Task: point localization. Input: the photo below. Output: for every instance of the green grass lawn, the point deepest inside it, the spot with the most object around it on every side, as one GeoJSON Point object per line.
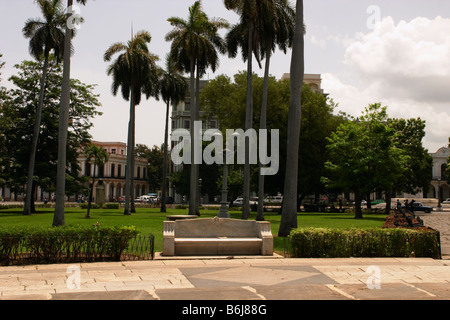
{"type": "Point", "coordinates": [151, 220]}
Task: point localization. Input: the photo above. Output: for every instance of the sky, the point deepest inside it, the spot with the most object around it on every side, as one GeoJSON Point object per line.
{"type": "Point", "coordinates": [393, 52]}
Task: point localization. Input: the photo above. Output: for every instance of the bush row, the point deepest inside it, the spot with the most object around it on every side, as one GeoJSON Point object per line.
{"type": "Point", "coordinates": [333, 243]}
{"type": "Point", "coordinates": [63, 244]}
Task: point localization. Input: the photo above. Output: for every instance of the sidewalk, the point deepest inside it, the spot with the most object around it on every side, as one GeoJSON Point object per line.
{"type": "Point", "coordinates": [235, 279]}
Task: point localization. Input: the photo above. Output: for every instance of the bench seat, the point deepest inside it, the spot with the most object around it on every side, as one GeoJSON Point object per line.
{"type": "Point", "coordinates": [217, 236]}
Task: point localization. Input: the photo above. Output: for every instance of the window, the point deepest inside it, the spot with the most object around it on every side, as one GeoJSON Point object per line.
{"type": "Point", "coordinates": [212, 124]}
{"type": "Point", "coordinates": [119, 170]}
{"type": "Point", "coordinates": [113, 151]}
{"type": "Point", "coordinates": [113, 170]}
{"type": "Point", "coordinates": [87, 169]}
{"type": "Point", "coordinates": [187, 124]}
{"type": "Point", "coordinates": [139, 172]}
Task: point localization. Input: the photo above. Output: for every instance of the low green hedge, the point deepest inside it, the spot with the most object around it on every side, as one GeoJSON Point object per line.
{"type": "Point", "coordinates": [63, 244]}
{"type": "Point", "coordinates": [374, 242]}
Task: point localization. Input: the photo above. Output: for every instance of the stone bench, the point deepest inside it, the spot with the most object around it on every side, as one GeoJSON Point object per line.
{"type": "Point", "coordinates": [217, 236]}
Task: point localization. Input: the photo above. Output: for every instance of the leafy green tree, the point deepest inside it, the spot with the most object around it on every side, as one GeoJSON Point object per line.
{"type": "Point", "coordinates": [419, 163]}
{"type": "Point", "coordinates": [134, 72]}
{"type": "Point", "coordinates": [17, 123]}
{"type": "Point", "coordinates": [100, 157]}
{"type": "Point", "coordinates": [45, 37]}
{"type": "Point", "coordinates": [363, 157]}
{"type": "Point", "coordinates": [155, 158]}
{"type": "Point", "coordinates": [64, 116]}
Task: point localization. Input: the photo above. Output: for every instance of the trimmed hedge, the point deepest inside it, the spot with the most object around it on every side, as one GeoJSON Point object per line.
{"type": "Point", "coordinates": [373, 242]}
{"type": "Point", "coordinates": [63, 244]}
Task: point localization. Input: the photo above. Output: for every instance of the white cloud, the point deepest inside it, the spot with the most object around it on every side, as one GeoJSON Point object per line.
{"type": "Point", "coordinates": [405, 66]}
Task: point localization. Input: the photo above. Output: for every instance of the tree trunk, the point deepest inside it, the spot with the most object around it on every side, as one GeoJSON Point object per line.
{"type": "Point", "coordinates": [133, 159]}
{"type": "Point", "coordinates": [388, 195]}
{"type": "Point", "coordinates": [263, 125]}
{"type": "Point", "coordinates": [193, 176]}
{"type": "Point", "coordinates": [91, 192]}
{"type": "Point", "coordinates": [28, 210]}
{"type": "Point", "coordinates": [248, 125]}
{"type": "Point", "coordinates": [59, 217]}
{"type": "Point", "coordinates": [358, 210]}
{"type": "Point", "coordinates": [289, 210]}
{"type": "Point", "coordinates": [164, 176]}
{"type": "Point", "coordinates": [130, 151]}
{"type": "Point", "coordinates": [197, 166]}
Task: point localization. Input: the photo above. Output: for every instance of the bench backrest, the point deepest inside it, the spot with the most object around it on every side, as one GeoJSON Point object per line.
{"type": "Point", "coordinates": [216, 227]}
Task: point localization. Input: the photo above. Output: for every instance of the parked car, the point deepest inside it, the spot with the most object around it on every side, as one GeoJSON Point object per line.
{"type": "Point", "coordinates": [447, 201]}
{"type": "Point", "coordinates": [238, 202]}
{"type": "Point", "coordinates": [418, 206]}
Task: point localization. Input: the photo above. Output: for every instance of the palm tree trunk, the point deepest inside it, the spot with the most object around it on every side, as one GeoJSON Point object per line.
{"type": "Point", "coordinates": [197, 166]}
{"type": "Point", "coordinates": [248, 125]}
{"type": "Point", "coordinates": [36, 131]}
{"type": "Point", "coordinates": [289, 210]}
{"type": "Point", "coordinates": [91, 192]}
{"type": "Point", "coordinates": [193, 177]}
{"type": "Point", "coordinates": [133, 160]}
{"type": "Point", "coordinates": [164, 176]}
{"type": "Point", "coordinates": [263, 125]}
{"type": "Point", "coordinates": [59, 219]}
{"type": "Point", "coordinates": [130, 151]}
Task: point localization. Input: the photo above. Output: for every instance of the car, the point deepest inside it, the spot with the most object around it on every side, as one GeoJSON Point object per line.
{"type": "Point", "coordinates": [238, 202]}
{"type": "Point", "coordinates": [446, 201]}
{"type": "Point", "coordinates": [418, 206]}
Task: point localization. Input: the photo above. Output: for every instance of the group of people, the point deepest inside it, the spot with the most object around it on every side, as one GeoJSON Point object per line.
{"type": "Point", "coordinates": [409, 206]}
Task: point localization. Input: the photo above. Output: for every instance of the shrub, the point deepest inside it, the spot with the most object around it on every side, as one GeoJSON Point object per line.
{"type": "Point", "coordinates": [64, 244]}
{"type": "Point", "coordinates": [111, 206]}
{"type": "Point", "coordinates": [93, 206]}
{"type": "Point", "coordinates": [333, 243]}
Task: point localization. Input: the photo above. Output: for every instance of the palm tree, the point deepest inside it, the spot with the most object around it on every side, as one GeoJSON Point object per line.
{"type": "Point", "coordinates": [194, 48]}
{"type": "Point", "coordinates": [59, 219]}
{"type": "Point", "coordinates": [45, 36]}
{"type": "Point", "coordinates": [134, 72]}
{"type": "Point", "coordinates": [173, 88]}
{"type": "Point", "coordinates": [277, 30]}
{"type": "Point", "coordinates": [289, 210]}
{"type": "Point", "coordinates": [100, 158]}
{"type": "Point", "coordinates": [245, 35]}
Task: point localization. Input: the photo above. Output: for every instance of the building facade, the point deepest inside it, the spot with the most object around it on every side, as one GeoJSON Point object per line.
{"type": "Point", "coordinates": [439, 187]}
{"type": "Point", "coordinates": [112, 174]}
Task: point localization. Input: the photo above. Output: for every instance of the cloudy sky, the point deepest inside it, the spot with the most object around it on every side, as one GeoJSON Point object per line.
{"type": "Point", "coordinates": [393, 52]}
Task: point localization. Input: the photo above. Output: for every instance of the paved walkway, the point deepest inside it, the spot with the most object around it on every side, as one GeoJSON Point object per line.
{"type": "Point", "coordinates": [439, 221]}
{"type": "Point", "coordinates": [232, 279]}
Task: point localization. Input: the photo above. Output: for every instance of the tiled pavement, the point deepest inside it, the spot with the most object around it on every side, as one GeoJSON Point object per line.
{"type": "Point", "coordinates": [232, 279]}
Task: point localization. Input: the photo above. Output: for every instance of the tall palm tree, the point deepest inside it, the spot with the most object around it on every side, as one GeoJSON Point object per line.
{"type": "Point", "coordinates": [173, 88]}
{"type": "Point", "coordinates": [134, 72]}
{"type": "Point", "coordinates": [45, 36]}
{"type": "Point", "coordinates": [277, 30]}
{"type": "Point", "coordinates": [195, 42]}
{"type": "Point", "coordinates": [63, 126]}
{"type": "Point", "coordinates": [245, 35]}
{"type": "Point", "coordinates": [289, 210]}
{"type": "Point", "coordinates": [100, 158]}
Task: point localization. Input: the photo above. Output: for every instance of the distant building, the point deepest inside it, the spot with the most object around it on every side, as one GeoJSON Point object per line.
{"type": "Point", "coordinates": [113, 172]}
{"type": "Point", "coordinates": [313, 80]}
{"type": "Point", "coordinates": [439, 176]}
